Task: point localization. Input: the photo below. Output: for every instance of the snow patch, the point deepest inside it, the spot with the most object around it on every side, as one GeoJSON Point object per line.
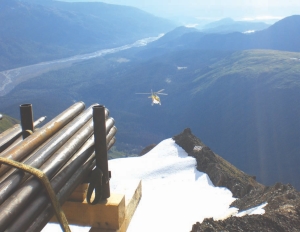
{"type": "Point", "coordinates": [168, 80]}
{"type": "Point", "coordinates": [255, 210]}
{"type": "Point", "coordinates": [175, 195]}
{"type": "Point", "coordinates": [122, 60]}
{"type": "Point", "coordinates": [249, 32]}
{"type": "Point", "coordinates": [197, 148]}
{"type": "Point", "coordinates": [180, 68]}
{"type": "Point", "coordinates": [191, 25]}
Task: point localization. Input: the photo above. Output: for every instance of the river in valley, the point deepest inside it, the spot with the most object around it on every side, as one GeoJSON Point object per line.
{"type": "Point", "coordinates": [11, 78]}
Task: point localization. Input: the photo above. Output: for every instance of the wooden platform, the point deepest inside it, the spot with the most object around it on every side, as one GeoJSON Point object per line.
{"type": "Point", "coordinates": [111, 215]}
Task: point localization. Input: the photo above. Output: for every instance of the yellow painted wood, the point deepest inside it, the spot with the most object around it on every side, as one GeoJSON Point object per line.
{"type": "Point", "coordinates": [131, 205]}
{"type": "Point", "coordinates": [108, 214]}
{"type": "Point", "coordinates": [112, 215]}
{"type": "Point", "coordinates": [79, 193]}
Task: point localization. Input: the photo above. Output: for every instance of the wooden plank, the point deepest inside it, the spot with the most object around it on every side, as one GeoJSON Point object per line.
{"type": "Point", "coordinates": [112, 215]}
{"type": "Point", "coordinates": [108, 214]}
{"type": "Point", "coordinates": [79, 193]}
{"type": "Point", "coordinates": [131, 205]}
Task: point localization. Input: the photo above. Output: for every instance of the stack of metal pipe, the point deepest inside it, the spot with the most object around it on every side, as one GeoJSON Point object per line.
{"type": "Point", "coordinates": [65, 149]}
{"type": "Point", "coordinates": [13, 135]}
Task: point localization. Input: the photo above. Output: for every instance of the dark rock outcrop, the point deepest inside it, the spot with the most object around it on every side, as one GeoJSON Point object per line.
{"type": "Point", "coordinates": [282, 212]}
{"type": "Point", "coordinates": [147, 149]}
{"type": "Point", "coordinates": [221, 172]}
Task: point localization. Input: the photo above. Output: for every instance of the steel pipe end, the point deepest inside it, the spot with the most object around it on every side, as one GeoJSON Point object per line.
{"type": "Point", "coordinates": [98, 106]}
{"type": "Point", "coordinates": [26, 105]}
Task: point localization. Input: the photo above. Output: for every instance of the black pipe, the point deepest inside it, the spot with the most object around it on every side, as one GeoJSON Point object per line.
{"type": "Point", "coordinates": [23, 149]}
{"type": "Point", "coordinates": [26, 115]}
{"type": "Point", "coordinates": [101, 148]}
{"type": "Point", "coordinates": [18, 201]}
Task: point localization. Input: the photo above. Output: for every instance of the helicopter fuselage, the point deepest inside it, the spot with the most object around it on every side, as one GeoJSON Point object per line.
{"type": "Point", "coordinates": [154, 96]}
{"type": "Point", "coordinates": [155, 99]}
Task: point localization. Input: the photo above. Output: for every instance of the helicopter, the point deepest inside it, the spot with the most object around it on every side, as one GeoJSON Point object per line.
{"type": "Point", "coordinates": [155, 97]}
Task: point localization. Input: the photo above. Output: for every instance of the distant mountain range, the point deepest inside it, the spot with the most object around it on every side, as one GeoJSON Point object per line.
{"type": "Point", "coordinates": [228, 25]}
{"type": "Point", "coordinates": [283, 35]}
{"type": "Point", "coordinates": [33, 31]}
{"type": "Point", "coordinates": [239, 92]}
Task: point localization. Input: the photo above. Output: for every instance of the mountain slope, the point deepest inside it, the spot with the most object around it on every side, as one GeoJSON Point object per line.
{"type": "Point", "coordinates": [280, 202]}
{"type": "Point", "coordinates": [220, 172]}
{"type": "Point", "coordinates": [7, 122]}
{"type": "Point", "coordinates": [283, 35]}
{"type": "Point", "coordinates": [244, 104]}
{"type": "Point", "coordinates": [32, 32]}
{"type": "Point", "coordinates": [228, 25]}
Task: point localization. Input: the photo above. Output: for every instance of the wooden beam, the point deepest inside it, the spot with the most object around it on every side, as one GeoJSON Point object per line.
{"type": "Point", "coordinates": [111, 215]}
{"type": "Point", "coordinates": [108, 214]}
{"type": "Point", "coordinates": [131, 205]}
{"type": "Point", "coordinates": [79, 193]}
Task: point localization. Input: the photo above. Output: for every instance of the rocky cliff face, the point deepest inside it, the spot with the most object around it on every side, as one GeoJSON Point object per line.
{"type": "Point", "coordinates": [221, 172]}
{"type": "Point", "coordinates": [282, 212]}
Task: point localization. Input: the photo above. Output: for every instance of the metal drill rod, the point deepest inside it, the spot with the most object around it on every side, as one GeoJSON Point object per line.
{"type": "Point", "coordinates": [10, 133]}
{"type": "Point", "coordinates": [16, 129]}
{"type": "Point", "coordinates": [78, 177]}
{"type": "Point", "coordinates": [13, 205]}
{"type": "Point", "coordinates": [12, 170]}
{"type": "Point", "coordinates": [23, 149]}
{"type": "Point", "coordinates": [32, 211]}
{"type": "Point", "coordinates": [17, 201]}
{"type": "Point", "coordinates": [39, 121]}
{"type": "Point", "coordinates": [65, 192]}
{"type": "Point", "coordinates": [111, 143]}
{"type": "Point", "coordinates": [8, 137]}
{"type": "Point", "coordinates": [9, 185]}
{"type": "Point", "coordinates": [112, 132]}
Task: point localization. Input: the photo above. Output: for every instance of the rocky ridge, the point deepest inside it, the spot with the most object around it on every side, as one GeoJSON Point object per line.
{"type": "Point", "coordinates": [282, 212]}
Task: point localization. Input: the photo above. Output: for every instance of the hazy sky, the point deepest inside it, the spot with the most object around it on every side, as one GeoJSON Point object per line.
{"type": "Point", "coordinates": [214, 9]}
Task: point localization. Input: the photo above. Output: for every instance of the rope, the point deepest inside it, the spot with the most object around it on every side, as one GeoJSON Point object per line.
{"type": "Point", "coordinates": [44, 179]}
{"type": "Point", "coordinates": [30, 132]}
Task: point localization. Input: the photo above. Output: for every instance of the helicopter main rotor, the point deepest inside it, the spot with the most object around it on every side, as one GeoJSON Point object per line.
{"type": "Point", "coordinates": [158, 92]}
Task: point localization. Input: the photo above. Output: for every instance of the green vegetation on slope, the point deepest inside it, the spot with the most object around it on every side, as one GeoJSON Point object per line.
{"type": "Point", "coordinates": [7, 122]}
{"type": "Point", "coordinates": [276, 68]}
{"type": "Point", "coordinates": [114, 153]}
